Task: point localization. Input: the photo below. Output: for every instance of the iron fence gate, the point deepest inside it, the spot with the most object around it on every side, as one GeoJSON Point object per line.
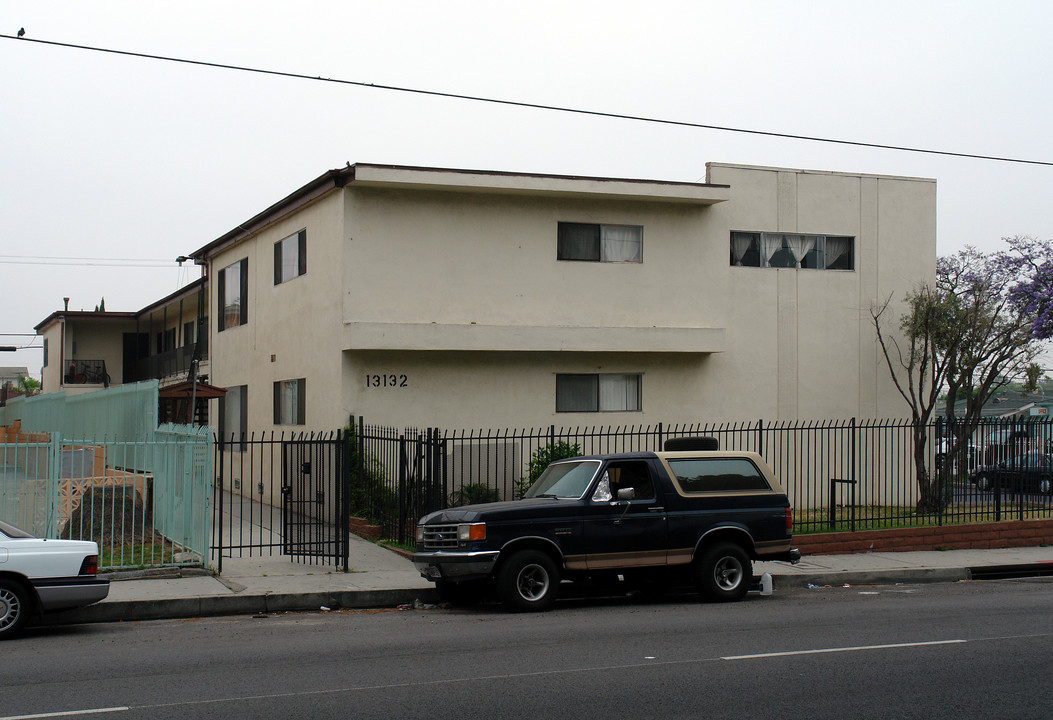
{"type": "Point", "coordinates": [282, 494]}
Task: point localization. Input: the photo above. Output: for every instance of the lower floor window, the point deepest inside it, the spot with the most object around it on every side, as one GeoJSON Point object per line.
{"type": "Point", "coordinates": [289, 402]}
{"type": "Point", "coordinates": [607, 392]}
{"type": "Point", "coordinates": [233, 415]}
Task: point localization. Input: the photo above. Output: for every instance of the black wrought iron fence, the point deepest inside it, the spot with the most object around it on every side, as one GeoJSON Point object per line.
{"type": "Point", "coordinates": [295, 494]}
{"type": "Point", "coordinates": [839, 475]}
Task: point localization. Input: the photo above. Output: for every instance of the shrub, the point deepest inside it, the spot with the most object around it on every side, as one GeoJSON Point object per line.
{"type": "Point", "coordinates": [542, 458]}
{"type": "Point", "coordinates": [474, 493]}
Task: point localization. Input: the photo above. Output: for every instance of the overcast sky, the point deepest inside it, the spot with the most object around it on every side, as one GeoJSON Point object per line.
{"type": "Point", "coordinates": [110, 157]}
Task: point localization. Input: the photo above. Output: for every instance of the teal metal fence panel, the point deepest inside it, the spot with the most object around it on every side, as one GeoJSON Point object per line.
{"type": "Point", "coordinates": [125, 412]}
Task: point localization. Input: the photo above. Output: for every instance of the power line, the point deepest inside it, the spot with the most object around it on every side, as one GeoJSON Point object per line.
{"type": "Point", "coordinates": [90, 261]}
{"type": "Point", "coordinates": [534, 106]}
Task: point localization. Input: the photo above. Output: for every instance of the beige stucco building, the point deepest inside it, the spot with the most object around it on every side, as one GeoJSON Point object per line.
{"type": "Point", "coordinates": [464, 299]}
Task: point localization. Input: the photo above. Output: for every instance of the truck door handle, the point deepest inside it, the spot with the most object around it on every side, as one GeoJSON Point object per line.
{"type": "Point", "coordinates": [656, 509]}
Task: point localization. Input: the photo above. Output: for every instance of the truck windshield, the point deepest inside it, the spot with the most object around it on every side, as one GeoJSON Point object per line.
{"type": "Point", "coordinates": [564, 479]}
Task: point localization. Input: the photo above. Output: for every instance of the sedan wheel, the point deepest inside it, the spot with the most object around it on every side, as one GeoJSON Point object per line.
{"type": "Point", "coordinates": [983, 483]}
{"type": "Point", "coordinates": [1044, 486]}
{"type": "Point", "coordinates": [14, 608]}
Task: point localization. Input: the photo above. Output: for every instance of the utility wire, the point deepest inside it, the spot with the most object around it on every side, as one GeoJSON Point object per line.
{"type": "Point", "coordinates": [534, 106]}
{"type": "Point", "coordinates": [90, 261]}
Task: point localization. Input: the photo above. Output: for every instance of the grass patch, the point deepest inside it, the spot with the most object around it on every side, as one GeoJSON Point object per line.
{"type": "Point", "coordinates": [891, 517]}
{"type": "Point", "coordinates": [136, 556]}
{"type": "Point", "coordinates": [407, 546]}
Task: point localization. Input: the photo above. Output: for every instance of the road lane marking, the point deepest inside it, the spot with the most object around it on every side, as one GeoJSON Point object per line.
{"type": "Point", "coordinates": [484, 678]}
{"type": "Point", "coordinates": [66, 713]}
{"type": "Point", "coordinates": [821, 651]}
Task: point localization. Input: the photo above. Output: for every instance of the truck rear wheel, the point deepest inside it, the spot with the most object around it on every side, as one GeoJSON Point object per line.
{"type": "Point", "coordinates": [528, 581]}
{"type": "Point", "coordinates": [723, 573]}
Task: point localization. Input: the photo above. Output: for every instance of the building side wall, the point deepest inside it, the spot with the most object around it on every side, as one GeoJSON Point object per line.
{"type": "Point", "coordinates": [801, 343]}
{"type": "Point", "coordinates": [293, 328]}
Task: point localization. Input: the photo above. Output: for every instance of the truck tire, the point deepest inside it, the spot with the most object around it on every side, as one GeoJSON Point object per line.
{"type": "Point", "coordinates": [14, 608]}
{"type": "Point", "coordinates": [723, 573]}
{"type": "Point", "coordinates": [528, 581]}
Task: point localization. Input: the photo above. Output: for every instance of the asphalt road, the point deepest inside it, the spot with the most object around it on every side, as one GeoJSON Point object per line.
{"type": "Point", "coordinates": [965, 650]}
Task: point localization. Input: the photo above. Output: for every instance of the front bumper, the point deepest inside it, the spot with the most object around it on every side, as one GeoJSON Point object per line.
{"type": "Point", "coordinates": [456, 566]}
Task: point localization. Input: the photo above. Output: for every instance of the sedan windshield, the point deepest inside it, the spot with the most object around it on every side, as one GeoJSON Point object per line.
{"type": "Point", "coordinates": [564, 479]}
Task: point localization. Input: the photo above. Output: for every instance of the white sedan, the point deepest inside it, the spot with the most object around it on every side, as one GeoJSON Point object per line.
{"type": "Point", "coordinates": [40, 576]}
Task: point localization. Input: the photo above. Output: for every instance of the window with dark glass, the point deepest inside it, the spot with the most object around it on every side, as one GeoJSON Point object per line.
{"type": "Point", "coordinates": [290, 257]}
{"type": "Point", "coordinates": [233, 291]}
{"type": "Point", "coordinates": [792, 250]}
{"type": "Point", "coordinates": [290, 402]}
{"type": "Point", "coordinates": [607, 392]}
{"type": "Point", "coordinates": [233, 412]}
{"type": "Point", "coordinates": [600, 243]}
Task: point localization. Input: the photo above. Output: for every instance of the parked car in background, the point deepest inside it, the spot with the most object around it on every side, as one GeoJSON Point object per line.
{"type": "Point", "coordinates": [40, 576]}
{"type": "Point", "coordinates": [1027, 473]}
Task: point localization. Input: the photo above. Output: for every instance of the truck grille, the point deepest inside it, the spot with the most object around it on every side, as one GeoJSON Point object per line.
{"type": "Point", "coordinates": [439, 537]}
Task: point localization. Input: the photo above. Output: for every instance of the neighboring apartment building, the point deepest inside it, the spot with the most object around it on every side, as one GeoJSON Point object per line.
{"type": "Point", "coordinates": [89, 350]}
{"type": "Point", "coordinates": [465, 299]}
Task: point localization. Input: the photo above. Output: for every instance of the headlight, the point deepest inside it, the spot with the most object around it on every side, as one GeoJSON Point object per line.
{"type": "Point", "coordinates": [471, 531]}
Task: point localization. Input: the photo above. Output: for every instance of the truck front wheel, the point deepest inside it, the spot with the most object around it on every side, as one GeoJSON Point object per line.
{"type": "Point", "coordinates": [528, 581]}
{"type": "Point", "coordinates": [723, 573]}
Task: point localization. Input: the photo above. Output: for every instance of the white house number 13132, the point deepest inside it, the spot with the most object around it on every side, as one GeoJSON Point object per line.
{"type": "Point", "coordinates": [386, 381]}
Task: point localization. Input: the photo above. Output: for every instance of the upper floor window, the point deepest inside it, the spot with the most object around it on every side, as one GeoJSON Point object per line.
{"type": "Point", "coordinates": [233, 293]}
{"type": "Point", "coordinates": [792, 250]}
{"type": "Point", "coordinates": [290, 257]}
{"type": "Point", "coordinates": [610, 392]}
{"type": "Point", "coordinates": [600, 243]}
{"type": "Point", "coordinates": [290, 402]}
{"type": "Point", "coordinates": [45, 352]}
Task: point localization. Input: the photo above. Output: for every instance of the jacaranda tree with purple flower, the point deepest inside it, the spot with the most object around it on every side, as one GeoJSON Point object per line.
{"type": "Point", "coordinates": [966, 336]}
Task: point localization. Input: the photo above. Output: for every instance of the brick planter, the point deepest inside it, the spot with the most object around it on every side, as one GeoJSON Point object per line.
{"type": "Point", "coordinates": [1012, 533]}
{"type": "Point", "coordinates": [362, 528]}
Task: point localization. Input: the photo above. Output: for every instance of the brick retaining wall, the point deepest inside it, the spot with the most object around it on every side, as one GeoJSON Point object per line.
{"type": "Point", "coordinates": [1014, 533]}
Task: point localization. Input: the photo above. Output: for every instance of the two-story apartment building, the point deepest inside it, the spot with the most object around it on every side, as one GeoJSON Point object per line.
{"type": "Point", "coordinates": [90, 350]}
{"type": "Point", "coordinates": [490, 299]}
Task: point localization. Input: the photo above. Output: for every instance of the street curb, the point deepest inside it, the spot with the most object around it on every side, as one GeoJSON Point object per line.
{"type": "Point", "coordinates": [211, 606]}
{"type": "Point", "coordinates": [218, 605]}
{"type": "Point", "coordinates": [872, 577]}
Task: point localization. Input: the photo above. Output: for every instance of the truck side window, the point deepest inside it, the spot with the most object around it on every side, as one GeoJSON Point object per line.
{"type": "Point", "coordinates": [631, 474]}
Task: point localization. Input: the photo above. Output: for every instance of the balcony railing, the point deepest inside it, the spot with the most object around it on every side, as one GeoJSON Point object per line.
{"type": "Point", "coordinates": [169, 362]}
{"type": "Point", "coordinates": [86, 372]}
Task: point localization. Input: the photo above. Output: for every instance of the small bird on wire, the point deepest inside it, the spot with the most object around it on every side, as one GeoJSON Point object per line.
{"type": "Point", "coordinates": [21, 32]}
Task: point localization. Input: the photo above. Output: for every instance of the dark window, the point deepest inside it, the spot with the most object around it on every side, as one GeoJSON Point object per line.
{"type": "Point", "coordinates": [612, 392]}
{"type": "Point", "coordinates": [718, 475]}
{"type": "Point", "coordinates": [188, 333]}
{"type": "Point", "coordinates": [600, 243]}
{"type": "Point", "coordinates": [290, 257]}
{"type": "Point", "coordinates": [233, 412]}
{"type": "Point", "coordinates": [232, 292]}
{"type": "Point", "coordinates": [792, 250]}
{"type": "Point", "coordinates": [45, 352]}
{"type": "Point", "coordinates": [290, 402]}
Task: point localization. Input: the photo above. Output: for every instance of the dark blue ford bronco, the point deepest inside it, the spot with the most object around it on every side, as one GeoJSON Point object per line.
{"type": "Point", "coordinates": [647, 519]}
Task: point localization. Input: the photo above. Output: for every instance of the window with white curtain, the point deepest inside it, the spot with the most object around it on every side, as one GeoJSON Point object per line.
{"type": "Point", "coordinates": [598, 392]}
{"type": "Point", "coordinates": [600, 243]}
{"type": "Point", "coordinates": [792, 250]}
{"type": "Point", "coordinates": [290, 402]}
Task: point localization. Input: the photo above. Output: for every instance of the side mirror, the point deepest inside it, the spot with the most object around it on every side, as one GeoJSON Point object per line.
{"type": "Point", "coordinates": [627, 494]}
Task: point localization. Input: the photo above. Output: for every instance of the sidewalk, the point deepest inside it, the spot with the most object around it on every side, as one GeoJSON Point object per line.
{"type": "Point", "coordinates": [381, 578]}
